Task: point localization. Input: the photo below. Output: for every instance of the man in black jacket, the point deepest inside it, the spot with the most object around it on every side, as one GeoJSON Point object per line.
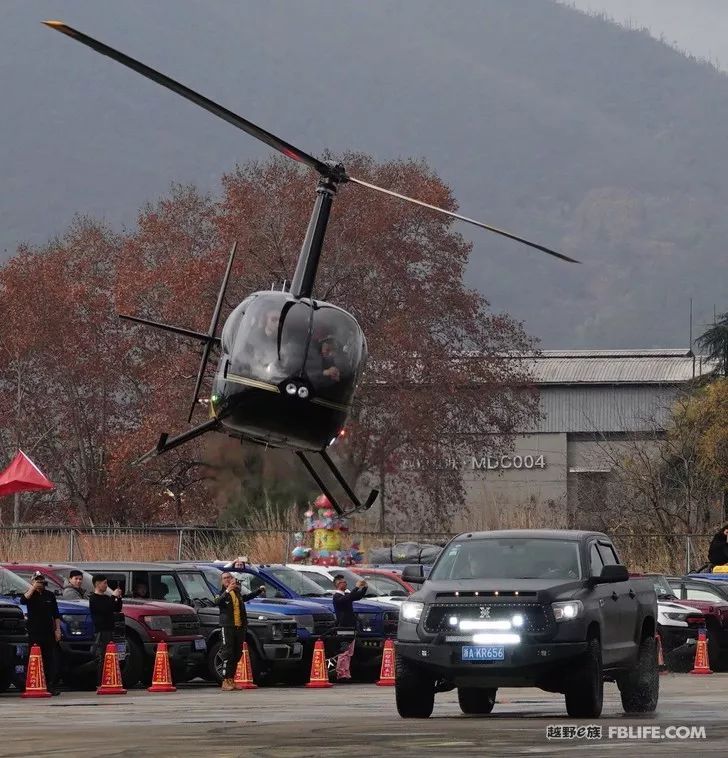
{"type": "Point", "coordinates": [44, 625]}
{"type": "Point", "coordinates": [103, 608]}
{"type": "Point", "coordinates": [234, 622]}
{"type": "Point", "coordinates": [718, 550]}
{"type": "Point", "coordinates": [346, 619]}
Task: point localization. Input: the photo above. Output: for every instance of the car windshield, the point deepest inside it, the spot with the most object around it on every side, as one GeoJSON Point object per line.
{"type": "Point", "coordinates": [11, 583]}
{"type": "Point", "coordinates": [383, 585]}
{"type": "Point", "coordinates": [195, 585]}
{"type": "Point", "coordinates": [662, 587]}
{"type": "Point", "coordinates": [509, 558]}
{"type": "Point", "coordinates": [297, 582]}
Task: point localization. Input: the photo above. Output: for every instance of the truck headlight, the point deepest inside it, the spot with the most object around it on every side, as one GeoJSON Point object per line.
{"type": "Point", "coordinates": [306, 621]}
{"type": "Point", "coordinates": [411, 610]}
{"type": "Point", "coordinates": [74, 623]}
{"type": "Point", "coordinates": [567, 610]}
{"type": "Point", "coordinates": [276, 631]}
{"type": "Point", "coordinates": [676, 616]}
{"type": "Point", "coordinates": [159, 624]}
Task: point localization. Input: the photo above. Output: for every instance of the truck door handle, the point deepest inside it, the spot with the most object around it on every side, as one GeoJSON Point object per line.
{"type": "Point", "coordinates": [615, 596]}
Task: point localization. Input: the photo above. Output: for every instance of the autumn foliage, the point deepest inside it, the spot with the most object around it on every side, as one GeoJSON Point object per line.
{"type": "Point", "coordinates": [90, 393]}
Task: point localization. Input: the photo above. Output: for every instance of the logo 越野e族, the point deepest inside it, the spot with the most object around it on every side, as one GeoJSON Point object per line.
{"type": "Point", "coordinates": [484, 612]}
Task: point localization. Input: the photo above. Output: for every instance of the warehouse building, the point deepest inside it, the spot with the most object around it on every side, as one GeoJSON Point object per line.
{"type": "Point", "coordinates": [593, 403]}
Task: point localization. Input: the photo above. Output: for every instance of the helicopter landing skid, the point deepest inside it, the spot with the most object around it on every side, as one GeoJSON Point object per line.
{"type": "Point", "coordinates": [358, 504]}
{"type": "Point", "coordinates": [165, 443]}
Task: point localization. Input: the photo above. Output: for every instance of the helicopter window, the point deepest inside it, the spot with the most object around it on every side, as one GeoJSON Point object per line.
{"type": "Point", "coordinates": [336, 354]}
{"type": "Point", "coordinates": [231, 326]}
{"type": "Point", "coordinates": [271, 338]}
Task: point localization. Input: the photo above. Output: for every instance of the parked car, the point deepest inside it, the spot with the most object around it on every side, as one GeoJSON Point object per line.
{"type": "Point", "coordinates": [385, 583]}
{"type": "Point", "coordinates": [272, 638]}
{"type": "Point", "coordinates": [146, 624]}
{"type": "Point", "coordinates": [324, 577]}
{"type": "Point", "coordinates": [375, 622]}
{"type": "Point", "coordinates": [710, 596]}
{"type": "Point", "coordinates": [546, 608]}
{"type": "Point", "coordinates": [313, 621]}
{"type": "Point", "coordinates": [13, 646]}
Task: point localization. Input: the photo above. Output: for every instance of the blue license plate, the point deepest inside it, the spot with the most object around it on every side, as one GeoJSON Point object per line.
{"type": "Point", "coordinates": [483, 653]}
{"type": "Point", "coordinates": [21, 650]}
{"type": "Point", "coordinates": [200, 645]}
{"type": "Point", "coordinates": [121, 650]}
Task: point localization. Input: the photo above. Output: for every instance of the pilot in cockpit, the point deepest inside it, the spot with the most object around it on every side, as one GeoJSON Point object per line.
{"type": "Point", "coordinates": [329, 349]}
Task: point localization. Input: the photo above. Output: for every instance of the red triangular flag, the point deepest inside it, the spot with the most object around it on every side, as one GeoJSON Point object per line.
{"type": "Point", "coordinates": [22, 475]}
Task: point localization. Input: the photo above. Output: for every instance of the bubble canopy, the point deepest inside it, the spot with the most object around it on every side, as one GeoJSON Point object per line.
{"type": "Point", "coordinates": [302, 351]}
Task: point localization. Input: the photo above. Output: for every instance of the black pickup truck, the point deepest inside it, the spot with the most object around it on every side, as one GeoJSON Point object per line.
{"type": "Point", "coordinates": [527, 608]}
{"type": "Point", "coordinates": [13, 646]}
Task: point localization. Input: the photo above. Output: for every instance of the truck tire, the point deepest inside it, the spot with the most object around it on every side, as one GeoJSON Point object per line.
{"type": "Point", "coordinates": [214, 663]}
{"type": "Point", "coordinates": [414, 691]}
{"type": "Point", "coordinates": [134, 664]}
{"type": "Point", "coordinates": [585, 692]}
{"type": "Point", "coordinates": [640, 687]}
{"type": "Point", "coordinates": [476, 701]}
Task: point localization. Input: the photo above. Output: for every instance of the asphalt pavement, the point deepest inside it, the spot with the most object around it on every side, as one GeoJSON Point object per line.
{"type": "Point", "coordinates": [357, 720]}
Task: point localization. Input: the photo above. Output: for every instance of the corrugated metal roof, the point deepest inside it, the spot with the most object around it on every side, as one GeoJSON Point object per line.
{"type": "Point", "coordinates": [617, 367]}
{"type": "Point", "coordinates": [615, 408]}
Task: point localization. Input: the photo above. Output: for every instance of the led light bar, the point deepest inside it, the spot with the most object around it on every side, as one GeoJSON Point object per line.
{"type": "Point", "coordinates": [496, 639]}
{"type": "Point", "coordinates": [468, 625]}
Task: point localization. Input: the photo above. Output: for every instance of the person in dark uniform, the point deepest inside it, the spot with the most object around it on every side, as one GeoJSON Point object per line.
{"type": "Point", "coordinates": [44, 626]}
{"type": "Point", "coordinates": [346, 619]}
{"type": "Point", "coordinates": [103, 608]}
{"type": "Point", "coordinates": [233, 623]}
{"type": "Point", "coordinates": [718, 549]}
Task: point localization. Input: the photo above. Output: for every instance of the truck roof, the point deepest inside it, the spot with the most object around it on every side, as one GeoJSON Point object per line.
{"type": "Point", "coordinates": [127, 566]}
{"type": "Point", "coordinates": [544, 534]}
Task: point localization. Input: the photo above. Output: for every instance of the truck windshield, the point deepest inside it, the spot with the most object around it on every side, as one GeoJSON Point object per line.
{"type": "Point", "coordinates": [297, 582]}
{"type": "Point", "coordinates": [11, 583]}
{"type": "Point", "coordinates": [509, 558]}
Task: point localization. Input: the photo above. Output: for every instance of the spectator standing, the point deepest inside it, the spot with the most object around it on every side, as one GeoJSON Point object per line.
{"type": "Point", "coordinates": [44, 626]}
{"type": "Point", "coordinates": [346, 619]}
{"type": "Point", "coordinates": [73, 590]}
{"type": "Point", "coordinates": [103, 607]}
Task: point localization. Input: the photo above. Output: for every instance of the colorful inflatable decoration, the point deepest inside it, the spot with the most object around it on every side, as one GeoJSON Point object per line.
{"type": "Point", "coordinates": [327, 529]}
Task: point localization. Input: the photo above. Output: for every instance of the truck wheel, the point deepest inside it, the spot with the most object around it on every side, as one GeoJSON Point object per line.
{"type": "Point", "coordinates": [133, 667]}
{"type": "Point", "coordinates": [640, 687]}
{"type": "Point", "coordinates": [414, 691]}
{"type": "Point", "coordinates": [585, 692]}
{"type": "Point", "coordinates": [476, 701]}
{"type": "Point", "coordinates": [214, 663]}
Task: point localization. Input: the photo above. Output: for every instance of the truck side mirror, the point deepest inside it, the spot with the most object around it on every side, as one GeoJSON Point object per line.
{"type": "Point", "coordinates": [611, 574]}
{"type": "Point", "coordinates": [413, 574]}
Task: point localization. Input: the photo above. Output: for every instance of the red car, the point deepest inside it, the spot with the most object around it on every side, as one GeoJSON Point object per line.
{"type": "Point", "coordinates": [385, 582]}
{"type": "Point", "coordinates": [147, 623]}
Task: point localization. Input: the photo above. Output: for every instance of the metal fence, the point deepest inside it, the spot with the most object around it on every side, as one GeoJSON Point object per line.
{"type": "Point", "coordinates": [669, 553]}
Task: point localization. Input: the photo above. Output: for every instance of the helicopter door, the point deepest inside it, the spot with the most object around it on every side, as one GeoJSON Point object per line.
{"type": "Point", "coordinates": [271, 339]}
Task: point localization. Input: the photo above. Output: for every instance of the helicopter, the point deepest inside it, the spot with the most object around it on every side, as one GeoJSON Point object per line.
{"type": "Point", "coordinates": [289, 364]}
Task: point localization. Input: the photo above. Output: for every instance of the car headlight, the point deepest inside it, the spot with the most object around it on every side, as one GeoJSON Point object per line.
{"type": "Point", "coordinates": [159, 623]}
{"type": "Point", "coordinates": [411, 610]}
{"type": "Point", "coordinates": [306, 621]}
{"type": "Point", "coordinates": [74, 623]}
{"type": "Point", "coordinates": [567, 610]}
{"type": "Point", "coordinates": [677, 616]}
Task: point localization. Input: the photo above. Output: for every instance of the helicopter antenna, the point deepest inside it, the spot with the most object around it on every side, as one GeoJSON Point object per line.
{"type": "Point", "coordinates": [331, 173]}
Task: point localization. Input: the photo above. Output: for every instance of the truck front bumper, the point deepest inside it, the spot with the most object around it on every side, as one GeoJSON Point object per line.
{"type": "Point", "coordinates": [186, 654]}
{"type": "Point", "coordinates": [524, 665]}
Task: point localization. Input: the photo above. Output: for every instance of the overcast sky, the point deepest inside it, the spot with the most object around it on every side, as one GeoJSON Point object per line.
{"type": "Point", "coordinates": [696, 26]}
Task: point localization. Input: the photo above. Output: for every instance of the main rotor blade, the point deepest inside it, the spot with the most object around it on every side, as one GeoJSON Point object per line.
{"type": "Point", "coordinates": [495, 229]}
{"type": "Point", "coordinates": [204, 102]}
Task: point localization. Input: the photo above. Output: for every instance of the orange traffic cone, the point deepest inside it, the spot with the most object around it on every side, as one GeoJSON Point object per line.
{"type": "Point", "coordinates": [319, 676]}
{"type": "Point", "coordinates": [244, 673]}
{"type": "Point", "coordinates": [701, 665]}
{"type": "Point", "coordinates": [386, 674]}
{"type": "Point", "coordinates": [35, 683]}
{"type": "Point", "coordinates": [111, 675]}
{"type": "Point", "coordinates": [662, 668]}
{"type": "Point", "coordinates": [162, 675]}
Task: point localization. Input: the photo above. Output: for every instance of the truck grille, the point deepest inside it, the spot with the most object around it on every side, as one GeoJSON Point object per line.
{"type": "Point", "coordinates": [290, 629]}
{"type": "Point", "coordinates": [14, 624]}
{"type": "Point", "coordinates": [323, 622]}
{"type": "Point", "coordinates": [185, 625]}
{"type": "Point", "coordinates": [534, 615]}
